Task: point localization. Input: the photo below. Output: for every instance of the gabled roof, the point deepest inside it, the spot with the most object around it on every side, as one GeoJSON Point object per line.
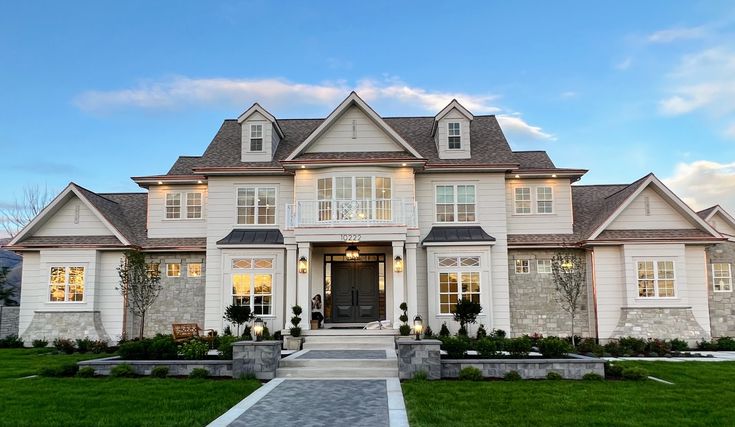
{"type": "Point", "coordinates": [454, 104]}
{"type": "Point", "coordinates": [102, 208]}
{"type": "Point", "coordinates": [352, 100]}
{"type": "Point", "coordinates": [710, 212]}
{"type": "Point", "coordinates": [257, 108]}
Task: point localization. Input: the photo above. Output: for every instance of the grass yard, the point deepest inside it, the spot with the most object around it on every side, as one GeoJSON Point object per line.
{"type": "Point", "coordinates": [703, 394]}
{"type": "Point", "coordinates": [107, 401]}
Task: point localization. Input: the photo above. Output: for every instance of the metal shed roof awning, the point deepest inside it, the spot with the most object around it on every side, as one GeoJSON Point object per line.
{"type": "Point", "coordinates": [448, 236]}
{"type": "Point", "coordinates": [252, 237]}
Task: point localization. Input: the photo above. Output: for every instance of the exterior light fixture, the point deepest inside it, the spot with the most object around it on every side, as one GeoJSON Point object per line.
{"type": "Point", "coordinates": [418, 327]}
{"type": "Point", "coordinates": [403, 164]}
{"type": "Point", "coordinates": [258, 328]}
{"type": "Point", "coordinates": [160, 182]}
{"type": "Point", "coordinates": [517, 176]}
{"type": "Point", "coordinates": [303, 265]}
{"type": "Point", "coordinates": [398, 264]}
{"type": "Point", "coordinates": [352, 253]}
{"type": "Point", "coordinates": [553, 175]}
{"type": "Point", "coordinates": [567, 264]}
{"type": "Point", "coordinates": [199, 181]}
{"type": "Point", "coordinates": [303, 166]}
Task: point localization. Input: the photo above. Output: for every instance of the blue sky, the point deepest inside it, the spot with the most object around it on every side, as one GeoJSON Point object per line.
{"type": "Point", "coordinates": [96, 92]}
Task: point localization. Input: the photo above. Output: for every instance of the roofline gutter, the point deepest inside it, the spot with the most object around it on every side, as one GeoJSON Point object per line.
{"type": "Point", "coordinates": [470, 243]}
{"type": "Point", "coordinates": [145, 181]}
{"type": "Point", "coordinates": [242, 170]}
{"type": "Point", "coordinates": [688, 240]}
{"type": "Point", "coordinates": [316, 163]}
{"type": "Point", "coordinates": [490, 167]}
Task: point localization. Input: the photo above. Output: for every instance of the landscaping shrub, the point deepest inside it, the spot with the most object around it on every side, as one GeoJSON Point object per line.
{"type": "Point", "coordinates": [613, 348]}
{"type": "Point", "coordinates": [11, 341]}
{"type": "Point", "coordinates": [420, 376]}
{"type": "Point", "coordinates": [444, 331]}
{"type": "Point", "coordinates": [589, 345]}
{"type": "Point", "coordinates": [591, 376]}
{"type": "Point", "coordinates": [635, 373]}
{"type": "Point", "coordinates": [227, 330]}
{"type": "Point", "coordinates": [405, 328]}
{"type": "Point", "coordinates": [428, 333]}
{"type": "Point", "coordinates": [553, 347]}
{"type": "Point", "coordinates": [613, 371]}
{"type": "Point", "coordinates": [481, 332]}
{"type": "Point", "coordinates": [632, 346]}
{"type": "Point", "coordinates": [247, 334]}
{"type": "Point", "coordinates": [266, 334]}
{"type": "Point", "coordinates": [512, 376]}
{"type": "Point", "coordinates": [100, 346]}
{"type": "Point", "coordinates": [198, 373]}
{"type": "Point", "coordinates": [65, 370]}
{"type": "Point", "coordinates": [39, 343]}
{"type": "Point", "coordinates": [535, 338]}
{"type": "Point", "coordinates": [455, 347]}
{"type": "Point", "coordinates": [295, 320]}
{"type": "Point", "coordinates": [707, 345]}
{"type": "Point", "coordinates": [122, 371]}
{"type": "Point", "coordinates": [134, 349]}
{"type": "Point", "coordinates": [518, 347]}
{"type": "Point", "coordinates": [462, 332]}
{"type": "Point", "coordinates": [194, 349]}
{"type": "Point", "coordinates": [225, 347]}
{"type": "Point", "coordinates": [159, 372]}
{"type": "Point", "coordinates": [84, 345]}
{"type": "Point", "coordinates": [660, 347]}
{"type": "Point", "coordinates": [726, 344]}
{"type": "Point", "coordinates": [678, 345]}
{"type": "Point", "coordinates": [162, 347]}
{"type": "Point", "coordinates": [64, 345]}
{"type": "Point", "coordinates": [498, 333]}
{"type": "Point", "coordinates": [470, 373]}
{"type": "Point", "coordinates": [86, 372]}
{"type": "Point", "coordinates": [554, 376]}
{"type": "Point", "coordinates": [487, 347]}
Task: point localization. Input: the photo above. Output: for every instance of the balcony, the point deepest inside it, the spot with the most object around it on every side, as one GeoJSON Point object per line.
{"type": "Point", "coordinates": [363, 213]}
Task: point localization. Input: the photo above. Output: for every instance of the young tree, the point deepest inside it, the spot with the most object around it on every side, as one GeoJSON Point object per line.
{"type": "Point", "coordinates": [466, 312]}
{"type": "Point", "coordinates": [139, 285]}
{"type": "Point", "coordinates": [569, 279]}
{"type": "Point", "coordinates": [237, 314]}
{"type": "Point", "coordinates": [24, 209]}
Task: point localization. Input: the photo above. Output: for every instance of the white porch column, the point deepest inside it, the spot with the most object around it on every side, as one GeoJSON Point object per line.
{"type": "Point", "coordinates": [291, 272]}
{"type": "Point", "coordinates": [399, 295]}
{"type": "Point", "coordinates": [412, 298]}
{"type": "Point", "coordinates": [304, 287]}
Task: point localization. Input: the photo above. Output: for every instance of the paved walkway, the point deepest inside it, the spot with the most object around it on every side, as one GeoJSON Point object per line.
{"type": "Point", "coordinates": [327, 402]}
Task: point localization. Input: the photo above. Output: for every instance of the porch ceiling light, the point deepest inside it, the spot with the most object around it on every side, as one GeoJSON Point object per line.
{"type": "Point", "coordinates": [303, 265]}
{"type": "Point", "coordinates": [352, 253]}
{"type": "Point", "coordinates": [258, 328]}
{"type": "Point", "coordinates": [418, 326]}
{"type": "Point", "coordinates": [398, 264]}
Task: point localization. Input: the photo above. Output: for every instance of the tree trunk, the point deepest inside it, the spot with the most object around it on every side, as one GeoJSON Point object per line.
{"type": "Point", "coordinates": [573, 343]}
{"type": "Point", "coordinates": [142, 324]}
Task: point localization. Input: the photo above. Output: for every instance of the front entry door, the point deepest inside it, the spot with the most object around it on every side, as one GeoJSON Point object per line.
{"type": "Point", "coordinates": [354, 292]}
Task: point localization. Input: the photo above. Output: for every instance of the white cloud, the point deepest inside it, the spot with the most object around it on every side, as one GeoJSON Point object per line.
{"type": "Point", "coordinates": [182, 92]}
{"type": "Point", "coordinates": [679, 33]}
{"type": "Point", "coordinates": [568, 94]}
{"type": "Point", "coordinates": [624, 64]}
{"type": "Point", "coordinates": [704, 183]}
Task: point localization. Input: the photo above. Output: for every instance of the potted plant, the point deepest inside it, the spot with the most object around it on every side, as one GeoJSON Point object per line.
{"type": "Point", "coordinates": [293, 342]}
{"type": "Point", "coordinates": [405, 328]}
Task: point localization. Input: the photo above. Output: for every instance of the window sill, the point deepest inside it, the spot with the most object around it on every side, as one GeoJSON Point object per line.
{"type": "Point", "coordinates": [534, 214]}
{"type": "Point", "coordinates": [256, 226]}
{"type": "Point", "coordinates": [455, 223]}
{"type": "Point", "coordinates": [729, 291]}
{"type": "Point", "coordinates": [62, 303]}
{"type": "Point", "coordinates": [183, 219]}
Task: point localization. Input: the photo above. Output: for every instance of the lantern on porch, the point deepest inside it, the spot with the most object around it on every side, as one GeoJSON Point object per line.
{"type": "Point", "coordinates": [352, 253]}
{"type": "Point", "coordinates": [258, 328]}
{"type": "Point", "coordinates": [418, 326]}
{"type": "Point", "coordinates": [567, 264]}
{"type": "Point", "coordinates": [398, 264]}
{"type": "Point", "coordinates": [303, 265]}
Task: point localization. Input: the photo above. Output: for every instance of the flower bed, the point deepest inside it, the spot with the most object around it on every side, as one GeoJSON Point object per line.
{"type": "Point", "coordinates": [573, 367]}
{"type": "Point", "coordinates": [215, 368]}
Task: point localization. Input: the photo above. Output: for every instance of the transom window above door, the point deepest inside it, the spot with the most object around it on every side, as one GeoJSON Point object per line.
{"type": "Point", "coordinates": [256, 205]}
{"type": "Point", "coordinates": [355, 198]}
{"type": "Point", "coordinates": [455, 203]}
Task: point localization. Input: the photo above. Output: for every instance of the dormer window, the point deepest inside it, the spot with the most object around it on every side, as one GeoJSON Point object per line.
{"type": "Point", "coordinates": [256, 137]}
{"type": "Point", "coordinates": [455, 139]}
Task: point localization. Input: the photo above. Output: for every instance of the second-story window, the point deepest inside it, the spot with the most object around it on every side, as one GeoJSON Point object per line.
{"type": "Point", "coordinates": [256, 137]}
{"type": "Point", "coordinates": [522, 200]}
{"type": "Point", "coordinates": [454, 134]}
{"type": "Point", "coordinates": [544, 200]}
{"type": "Point", "coordinates": [256, 205]}
{"type": "Point", "coordinates": [354, 198]}
{"type": "Point", "coordinates": [455, 203]}
{"type": "Point", "coordinates": [175, 203]}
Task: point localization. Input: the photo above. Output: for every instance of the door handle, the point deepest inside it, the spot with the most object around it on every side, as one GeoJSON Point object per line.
{"type": "Point", "coordinates": [352, 296]}
{"type": "Point", "coordinates": [357, 297]}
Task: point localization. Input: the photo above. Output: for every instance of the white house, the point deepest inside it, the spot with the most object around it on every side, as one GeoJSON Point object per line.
{"type": "Point", "coordinates": [368, 212]}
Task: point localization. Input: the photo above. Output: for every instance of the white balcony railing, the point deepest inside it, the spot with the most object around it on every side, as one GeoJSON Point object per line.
{"type": "Point", "coordinates": [331, 213]}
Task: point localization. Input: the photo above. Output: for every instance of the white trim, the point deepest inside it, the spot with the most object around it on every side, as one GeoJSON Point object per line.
{"type": "Point", "coordinates": [66, 266]}
{"type": "Point", "coordinates": [250, 139]}
{"type": "Point", "coordinates": [257, 187]}
{"type": "Point", "coordinates": [455, 202]}
{"type": "Point", "coordinates": [257, 108]}
{"type": "Point", "coordinates": [353, 99]}
{"type": "Point", "coordinates": [458, 270]}
{"type": "Point", "coordinates": [173, 263]}
{"type": "Point", "coordinates": [656, 292]}
{"type": "Point", "coordinates": [515, 266]}
{"type": "Point", "coordinates": [487, 243]}
{"type": "Point", "coordinates": [667, 194]}
{"type": "Point", "coordinates": [449, 143]}
{"type": "Point", "coordinates": [52, 207]}
{"type": "Point", "coordinates": [538, 270]}
{"type": "Point", "coordinates": [454, 104]}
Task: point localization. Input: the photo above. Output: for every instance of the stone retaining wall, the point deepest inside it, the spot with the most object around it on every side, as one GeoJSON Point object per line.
{"type": "Point", "coordinates": [573, 369]}
{"type": "Point", "coordinates": [721, 304]}
{"type": "Point", "coordinates": [216, 368]}
{"type": "Point", "coordinates": [258, 358]}
{"type": "Point", "coordinates": [9, 320]}
{"type": "Point", "coordinates": [419, 356]}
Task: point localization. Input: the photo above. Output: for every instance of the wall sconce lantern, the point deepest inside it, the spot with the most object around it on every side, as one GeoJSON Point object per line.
{"type": "Point", "coordinates": [567, 265]}
{"type": "Point", "coordinates": [352, 253]}
{"type": "Point", "coordinates": [258, 328]}
{"type": "Point", "coordinates": [303, 265]}
{"type": "Point", "coordinates": [398, 264]}
{"type": "Point", "coordinates": [418, 327]}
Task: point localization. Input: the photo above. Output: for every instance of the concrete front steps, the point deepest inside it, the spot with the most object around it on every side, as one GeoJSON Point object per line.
{"type": "Point", "coordinates": [337, 368]}
{"type": "Point", "coordinates": [349, 339]}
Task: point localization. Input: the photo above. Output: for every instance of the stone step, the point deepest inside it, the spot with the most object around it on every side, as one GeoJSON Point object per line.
{"type": "Point", "coordinates": [337, 363]}
{"type": "Point", "coordinates": [351, 339]}
{"type": "Point", "coordinates": [349, 332]}
{"type": "Point", "coordinates": [323, 373]}
{"type": "Point", "coordinates": [347, 346]}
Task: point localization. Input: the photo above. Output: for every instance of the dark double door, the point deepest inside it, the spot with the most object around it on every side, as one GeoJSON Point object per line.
{"type": "Point", "coordinates": [355, 295]}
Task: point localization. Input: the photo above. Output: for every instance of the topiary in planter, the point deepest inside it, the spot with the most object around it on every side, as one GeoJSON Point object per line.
{"type": "Point", "coordinates": [295, 320]}
{"type": "Point", "coordinates": [405, 328]}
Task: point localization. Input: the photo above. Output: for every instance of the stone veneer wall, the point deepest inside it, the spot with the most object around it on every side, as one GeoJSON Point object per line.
{"type": "Point", "coordinates": [258, 358]}
{"type": "Point", "coordinates": [181, 299]}
{"type": "Point", "coordinates": [664, 323]}
{"type": "Point", "coordinates": [721, 304]}
{"type": "Point", "coordinates": [9, 317]}
{"type": "Point", "coordinates": [65, 324]}
{"type": "Point", "coordinates": [533, 307]}
{"type": "Point", "coordinates": [216, 368]}
{"type": "Point", "coordinates": [419, 356]}
{"type": "Point", "coordinates": [573, 369]}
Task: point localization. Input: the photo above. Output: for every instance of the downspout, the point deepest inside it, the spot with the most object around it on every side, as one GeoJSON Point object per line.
{"type": "Point", "coordinates": [594, 295]}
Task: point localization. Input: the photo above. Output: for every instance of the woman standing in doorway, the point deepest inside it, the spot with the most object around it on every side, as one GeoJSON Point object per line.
{"type": "Point", "coordinates": [316, 310]}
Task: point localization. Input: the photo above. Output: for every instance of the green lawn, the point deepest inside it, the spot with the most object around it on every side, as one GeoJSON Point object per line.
{"type": "Point", "coordinates": [703, 394]}
{"type": "Point", "coordinates": [107, 401]}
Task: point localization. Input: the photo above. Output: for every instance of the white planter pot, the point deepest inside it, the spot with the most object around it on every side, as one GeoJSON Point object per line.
{"type": "Point", "coordinates": [292, 343]}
